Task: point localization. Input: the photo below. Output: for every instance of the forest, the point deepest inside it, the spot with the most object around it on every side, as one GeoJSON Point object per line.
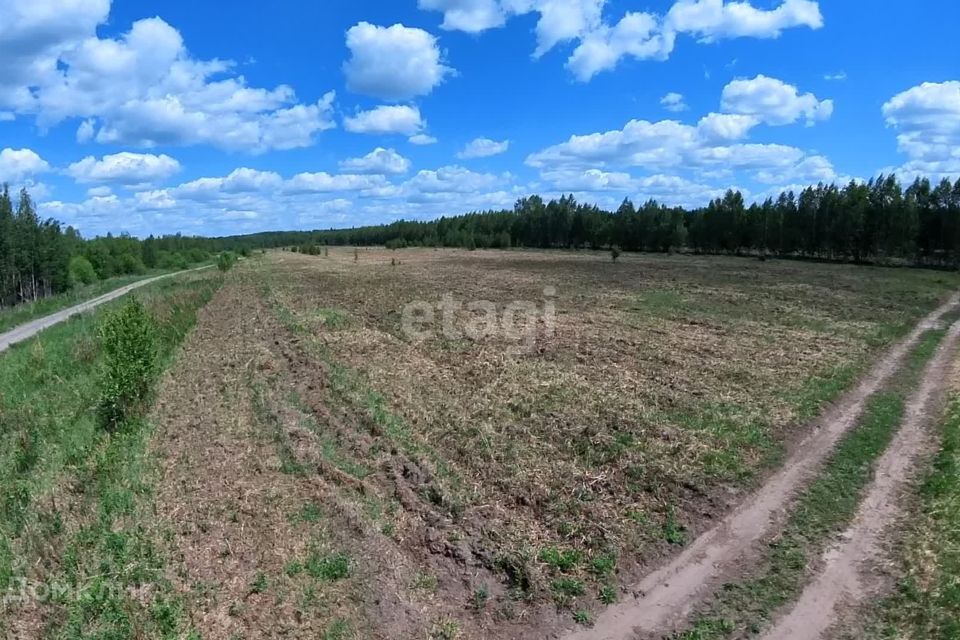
{"type": "Point", "coordinates": [40, 258]}
{"type": "Point", "coordinates": [876, 221]}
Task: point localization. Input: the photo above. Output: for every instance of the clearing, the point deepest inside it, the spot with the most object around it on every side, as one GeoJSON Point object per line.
{"type": "Point", "coordinates": [318, 469]}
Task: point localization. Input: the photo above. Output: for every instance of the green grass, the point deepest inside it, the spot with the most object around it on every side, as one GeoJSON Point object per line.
{"type": "Point", "coordinates": [73, 497]}
{"type": "Point", "coordinates": [15, 316]}
{"type": "Point", "coordinates": [824, 509]}
{"type": "Point", "coordinates": [926, 603]}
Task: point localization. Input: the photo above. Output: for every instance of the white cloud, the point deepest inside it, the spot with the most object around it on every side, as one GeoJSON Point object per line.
{"type": "Point", "coordinates": [712, 20]}
{"type": "Point", "coordinates": [387, 119]}
{"type": "Point", "coordinates": [471, 16]}
{"type": "Point", "coordinates": [839, 76]}
{"type": "Point", "coordinates": [640, 35]}
{"type": "Point", "coordinates": [100, 191]}
{"type": "Point", "coordinates": [452, 179]}
{"type": "Point", "coordinates": [323, 182]}
{"type": "Point", "coordinates": [422, 139]}
{"type": "Point", "coordinates": [380, 160]}
{"type": "Point", "coordinates": [811, 169]}
{"type": "Point", "coordinates": [712, 148]}
{"type": "Point", "coordinates": [154, 200]}
{"type": "Point", "coordinates": [591, 180]}
{"type": "Point", "coordinates": [124, 168]}
{"type": "Point", "coordinates": [773, 101]}
{"type": "Point", "coordinates": [244, 180]}
{"type": "Point", "coordinates": [17, 165]}
{"type": "Point", "coordinates": [726, 126]}
{"type": "Point", "coordinates": [142, 88]}
{"type": "Point", "coordinates": [393, 63]}
{"type": "Point", "coordinates": [483, 148]}
{"type": "Point", "coordinates": [559, 20]}
{"type": "Point", "coordinates": [928, 119]}
{"type": "Point", "coordinates": [673, 102]}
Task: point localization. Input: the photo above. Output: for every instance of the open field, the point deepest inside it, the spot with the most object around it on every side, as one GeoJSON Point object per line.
{"type": "Point", "coordinates": [323, 462]}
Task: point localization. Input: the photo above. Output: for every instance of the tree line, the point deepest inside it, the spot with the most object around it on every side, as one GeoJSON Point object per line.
{"type": "Point", "coordinates": [40, 258]}
{"type": "Point", "coordinates": [877, 221]}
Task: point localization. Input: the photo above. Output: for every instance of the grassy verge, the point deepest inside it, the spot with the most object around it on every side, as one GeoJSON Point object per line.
{"type": "Point", "coordinates": [15, 316]}
{"type": "Point", "coordinates": [826, 507]}
{"type": "Point", "coordinates": [926, 603]}
{"type": "Point", "coordinates": [78, 558]}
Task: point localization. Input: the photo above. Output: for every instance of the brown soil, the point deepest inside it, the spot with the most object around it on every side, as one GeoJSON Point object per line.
{"type": "Point", "coordinates": [668, 595]}
{"type": "Point", "coordinates": [501, 456]}
{"type": "Point", "coordinates": [845, 580]}
{"type": "Point", "coordinates": [232, 506]}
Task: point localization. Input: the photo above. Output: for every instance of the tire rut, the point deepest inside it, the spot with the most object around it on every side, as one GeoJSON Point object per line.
{"type": "Point", "coordinates": [843, 580]}
{"type": "Point", "coordinates": [668, 595]}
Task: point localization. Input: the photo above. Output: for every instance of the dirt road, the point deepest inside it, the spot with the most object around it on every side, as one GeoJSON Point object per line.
{"type": "Point", "coordinates": [842, 581]}
{"type": "Point", "coordinates": [667, 596]}
{"type": "Point", "coordinates": [32, 328]}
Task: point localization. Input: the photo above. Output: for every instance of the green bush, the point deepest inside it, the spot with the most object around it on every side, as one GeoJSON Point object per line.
{"type": "Point", "coordinates": [129, 343]}
{"type": "Point", "coordinates": [130, 264]}
{"type": "Point", "coordinates": [225, 261]}
{"type": "Point", "coordinates": [81, 271]}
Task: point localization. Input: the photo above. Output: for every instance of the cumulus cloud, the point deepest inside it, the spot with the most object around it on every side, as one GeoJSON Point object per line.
{"type": "Point", "coordinates": [725, 126]}
{"type": "Point", "coordinates": [142, 88]}
{"type": "Point", "coordinates": [712, 20]}
{"type": "Point", "coordinates": [927, 117]}
{"type": "Point", "coordinates": [124, 168]}
{"type": "Point", "coordinates": [483, 148]}
{"type": "Point", "coordinates": [640, 35]}
{"type": "Point", "coordinates": [387, 119]}
{"type": "Point", "coordinates": [323, 182]}
{"type": "Point", "coordinates": [673, 102]}
{"type": "Point", "coordinates": [471, 16]}
{"type": "Point", "coordinates": [422, 139]}
{"type": "Point", "coordinates": [712, 148]}
{"type": "Point", "coordinates": [773, 101]}
{"type": "Point", "coordinates": [393, 63]}
{"type": "Point", "coordinates": [16, 165]}
{"type": "Point", "coordinates": [809, 170]}
{"type": "Point", "coordinates": [380, 160]}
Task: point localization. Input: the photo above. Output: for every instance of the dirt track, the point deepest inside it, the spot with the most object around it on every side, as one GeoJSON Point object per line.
{"type": "Point", "coordinates": [842, 580]}
{"type": "Point", "coordinates": [32, 328]}
{"type": "Point", "coordinates": [667, 596]}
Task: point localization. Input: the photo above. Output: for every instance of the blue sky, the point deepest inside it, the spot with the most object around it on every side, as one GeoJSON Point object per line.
{"type": "Point", "coordinates": [151, 117]}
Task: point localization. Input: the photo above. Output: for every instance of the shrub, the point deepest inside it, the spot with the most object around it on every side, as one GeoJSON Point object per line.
{"type": "Point", "coordinates": [614, 253]}
{"type": "Point", "coordinates": [128, 341]}
{"type": "Point", "coordinates": [81, 271]}
{"type": "Point", "coordinates": [130, 264]}
{"type": "Point", "coordinates": [225, 261]}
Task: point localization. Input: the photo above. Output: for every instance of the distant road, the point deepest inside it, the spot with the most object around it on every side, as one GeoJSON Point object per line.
{"type": "Point", "coordinates": [32, 328]}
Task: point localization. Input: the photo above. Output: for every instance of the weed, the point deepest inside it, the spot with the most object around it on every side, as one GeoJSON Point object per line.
{"type": "Point", "coordinates": [339, 629]}
{"type": "Point", "coordinates": [673, 531]}
{"type": "Point", "coordinates": [480, 597]}
{"type": "Point", "coordinates": [566, 589]}
{"type": "Point", "coordinates": [259, 584]}
{"type": "Point", "coordinates": [563, 560]}
{"type": "Point", "coordinates": [327, 567]}
{"type": "Point", "coordinates": [582, 617]}
{"type": "Point", "coordinates": [445, 630]}
{"type": "Point", "coordinates": [603, 564]}
{"type": "Point", "coordinates": [425, 582]}
{"type": "Point", "coordinates": [608, 594]}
